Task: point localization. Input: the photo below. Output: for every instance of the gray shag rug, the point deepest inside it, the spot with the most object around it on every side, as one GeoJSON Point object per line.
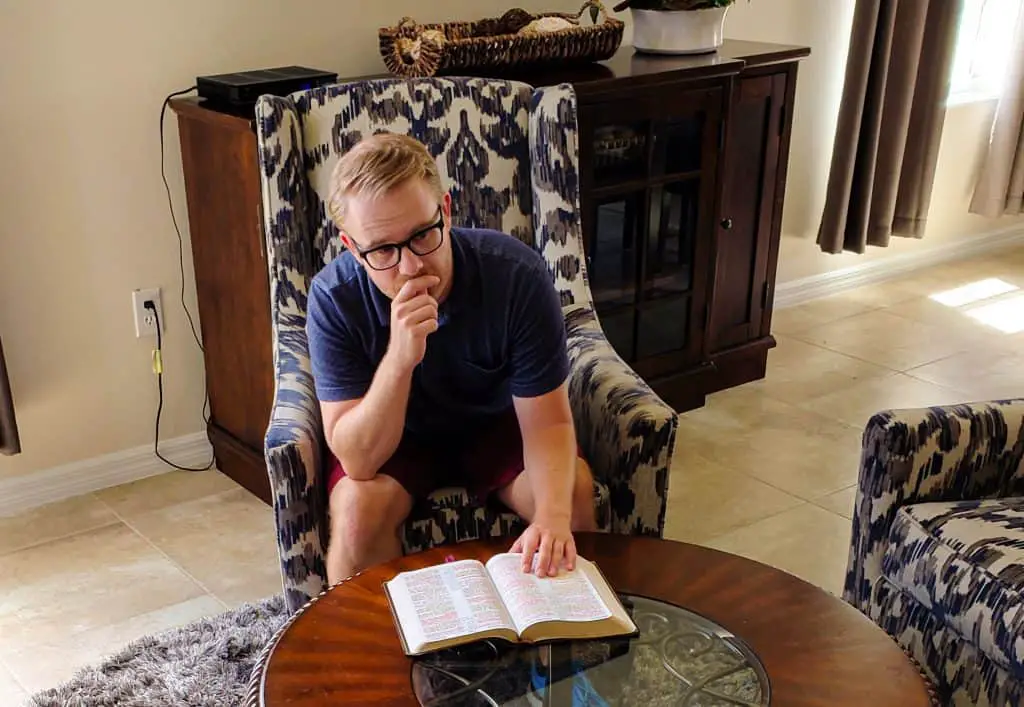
{"type": "Point", "coordinates": [204, 664]}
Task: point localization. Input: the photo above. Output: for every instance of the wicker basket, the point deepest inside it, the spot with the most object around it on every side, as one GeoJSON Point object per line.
{"type": "Point", "coordinates": [509, 41]}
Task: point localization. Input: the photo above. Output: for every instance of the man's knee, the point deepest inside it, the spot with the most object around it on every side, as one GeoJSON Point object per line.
{"type": "Point", "coordinates": [583, 497]}
{"type": "Point", "coordinates": [361, 511]}
{"type": "Point", "coordinates": [583, 489]}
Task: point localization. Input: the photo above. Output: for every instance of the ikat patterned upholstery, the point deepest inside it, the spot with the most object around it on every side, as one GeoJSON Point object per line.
{"type": "Point", "coordinates": [937, 552]}
{"type": "Point", "coordinates": [508, 152]}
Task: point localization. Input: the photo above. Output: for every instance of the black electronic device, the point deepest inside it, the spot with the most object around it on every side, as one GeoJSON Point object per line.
{"type": "Point", "coordinates": [239, 91]}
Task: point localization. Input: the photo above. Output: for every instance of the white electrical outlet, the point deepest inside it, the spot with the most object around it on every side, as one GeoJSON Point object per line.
{"type": "Point", "coordinates": [145, 322]}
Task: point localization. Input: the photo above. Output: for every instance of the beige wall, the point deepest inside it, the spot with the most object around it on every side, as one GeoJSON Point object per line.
{"type": "Point", "coordinates": [85, 215]}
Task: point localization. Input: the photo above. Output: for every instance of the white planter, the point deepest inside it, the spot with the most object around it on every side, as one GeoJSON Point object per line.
{"type": "Point", "coordinates": [678, 31]}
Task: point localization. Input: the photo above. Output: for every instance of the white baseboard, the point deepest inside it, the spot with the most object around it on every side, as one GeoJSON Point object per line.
{"type": "Point", "coordinates": [66, 481]}
{"type": "Point", "coordinates": [805, 289]}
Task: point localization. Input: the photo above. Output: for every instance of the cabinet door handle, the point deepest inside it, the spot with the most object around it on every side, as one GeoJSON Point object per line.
{"type": "Point", "coordinates": [727, 223]}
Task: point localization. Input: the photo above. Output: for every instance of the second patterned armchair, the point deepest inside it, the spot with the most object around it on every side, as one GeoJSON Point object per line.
{"type": "Point", "coordinates": [937, 557]}
{"type": "Point", "coordinates": [508, 153]}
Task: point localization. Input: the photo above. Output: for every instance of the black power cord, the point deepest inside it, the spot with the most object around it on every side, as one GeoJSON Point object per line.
{"type": "Point", "coordinates": [158, 368]}
{"type": "Point", "coordinates": [158, 354]}
{"type": "Point", "coordinates": [174, 219]}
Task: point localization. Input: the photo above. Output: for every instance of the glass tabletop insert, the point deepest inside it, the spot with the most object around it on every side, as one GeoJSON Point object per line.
{"type": "Point", "coordinates": [680, 658]}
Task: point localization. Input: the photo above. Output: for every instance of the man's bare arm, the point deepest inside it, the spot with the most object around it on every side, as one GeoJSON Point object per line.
{"type": "Point", "coordinates": [549, 452]}
{"type": "Point", "coordinates": [364, 433]}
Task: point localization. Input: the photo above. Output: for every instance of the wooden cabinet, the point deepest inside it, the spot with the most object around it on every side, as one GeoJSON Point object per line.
{"type": "Point", "coordinates": [218, 154]}
{"type": "Point", "coordinates": [682, 177]}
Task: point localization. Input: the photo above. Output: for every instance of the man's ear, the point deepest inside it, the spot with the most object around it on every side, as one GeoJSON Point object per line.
{"type": "Point", "coordinates": [446, 207]}
{"type": "Point", "coordinates": [350, 246]}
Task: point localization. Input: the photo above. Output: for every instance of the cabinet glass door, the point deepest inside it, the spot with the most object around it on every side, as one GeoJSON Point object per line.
{"type": "Point", "coordinates": [647, 189]}
{"type": "Point", "coordinates": [613, 266]}
{"type": "Point", "coordinates": [620, 152]}
{"type": "Point", "coordinates": [613, 256]}
{"type": "Point", "coordinates": [671, 232]}
{"type": "Point", "coordinates": [665, 294]}
{"type": "Point", "coordinates": [678, 144]}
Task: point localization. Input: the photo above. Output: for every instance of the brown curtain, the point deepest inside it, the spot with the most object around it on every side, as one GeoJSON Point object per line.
{"type": "Point", "coordinates": [890, 122]}
{"type": "Point", "coordinates": [1000, 188]}
{"type": "Point", "coordinates": [9, 443]}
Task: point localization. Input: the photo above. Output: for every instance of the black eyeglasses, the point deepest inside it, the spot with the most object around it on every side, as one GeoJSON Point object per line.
{"type": "Point", "coordinates": [423, 242]}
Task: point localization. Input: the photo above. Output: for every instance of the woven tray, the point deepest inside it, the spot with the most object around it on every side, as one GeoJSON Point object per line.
{"type": "Point", "coordinates": [517, 38]}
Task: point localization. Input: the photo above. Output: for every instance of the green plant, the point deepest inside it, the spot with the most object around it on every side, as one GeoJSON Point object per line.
{"type": "Point", "coordinates": [671, 5]}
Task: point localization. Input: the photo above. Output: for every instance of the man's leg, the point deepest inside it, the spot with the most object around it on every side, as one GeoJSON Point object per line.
{"type": "Point", "coordinates": [366, 516]}
{"type": "Point", "coordinates": [365, 520]}
{"type": "Point", "coordinates": [518, 496]}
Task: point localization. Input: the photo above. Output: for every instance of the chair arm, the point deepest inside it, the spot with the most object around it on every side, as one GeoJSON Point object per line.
{"type": "Point", "coordinates": [626, 431]}
{"type": "Point", "coordinates": [293, 450]}
{"type": "Point", "coordinates": [944, 453]}
{"type": "Point", "coordinates": [293, 442]}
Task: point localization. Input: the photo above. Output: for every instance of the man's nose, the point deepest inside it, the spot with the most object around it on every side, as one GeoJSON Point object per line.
{"type": "Point", "coordinates": [411, 263]}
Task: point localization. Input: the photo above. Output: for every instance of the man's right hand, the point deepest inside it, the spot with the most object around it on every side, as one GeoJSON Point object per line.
{"type": "Point", "coordinates": [413, 318]}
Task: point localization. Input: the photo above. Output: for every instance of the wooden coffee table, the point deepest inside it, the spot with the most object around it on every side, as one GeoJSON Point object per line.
{"type": "Point", "coordinates": [782, 641]}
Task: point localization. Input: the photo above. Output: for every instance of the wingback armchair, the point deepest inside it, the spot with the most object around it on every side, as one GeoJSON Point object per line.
{"type": "Point", "coordinates": [508, 153]}
{"type": "Point", "coordinates": [937, 553]}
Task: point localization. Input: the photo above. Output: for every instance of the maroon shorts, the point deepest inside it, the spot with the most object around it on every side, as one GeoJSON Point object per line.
{"type": "Point", "coordinates": [484, 463]}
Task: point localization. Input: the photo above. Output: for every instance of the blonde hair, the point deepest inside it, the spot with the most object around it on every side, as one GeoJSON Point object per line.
{"type": "Point", "coordinates": [377, 164]}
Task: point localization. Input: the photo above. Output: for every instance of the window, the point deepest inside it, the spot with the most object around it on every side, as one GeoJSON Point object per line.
{"type": "Point", "coordinates": [984, 43]}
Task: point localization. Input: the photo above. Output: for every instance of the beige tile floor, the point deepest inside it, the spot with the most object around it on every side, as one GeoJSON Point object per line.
{"type": "Point", "coordinates": [766, 470]}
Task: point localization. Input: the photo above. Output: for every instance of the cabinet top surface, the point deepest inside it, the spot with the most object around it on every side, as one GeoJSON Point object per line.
{"type": "Point", "coordinates": [733, 53]}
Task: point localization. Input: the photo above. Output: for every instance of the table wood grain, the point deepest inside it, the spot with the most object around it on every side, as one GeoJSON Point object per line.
{"type": "Point", "coordinates": [816, 649]}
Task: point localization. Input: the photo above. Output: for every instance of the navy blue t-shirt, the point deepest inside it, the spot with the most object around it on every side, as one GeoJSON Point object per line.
{"type": "Point", "coordinates": [500, 334]}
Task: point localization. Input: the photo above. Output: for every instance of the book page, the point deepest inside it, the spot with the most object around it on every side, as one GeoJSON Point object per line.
{"type": "Point", "coordinates": [531, 599]}
{"type": "Point", "coordinates": [447, 601]}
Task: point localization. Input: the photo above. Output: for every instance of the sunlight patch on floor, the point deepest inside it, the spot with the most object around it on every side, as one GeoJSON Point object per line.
{"type": "Point", "coordinates": [1005, 314]}
{"type": "Point", "coordinates": [974, 292]}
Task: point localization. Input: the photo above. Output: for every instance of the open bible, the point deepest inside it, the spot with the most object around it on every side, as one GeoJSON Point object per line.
{"type": "Point", "coordinates": [464, 601]}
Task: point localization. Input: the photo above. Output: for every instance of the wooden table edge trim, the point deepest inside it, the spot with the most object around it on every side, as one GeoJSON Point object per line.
{"type": "Point", "coordinates": [255, 694]}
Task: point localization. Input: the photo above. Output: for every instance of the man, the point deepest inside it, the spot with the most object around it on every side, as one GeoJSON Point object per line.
{"type": "Point", "coordinates": [439, 358]}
